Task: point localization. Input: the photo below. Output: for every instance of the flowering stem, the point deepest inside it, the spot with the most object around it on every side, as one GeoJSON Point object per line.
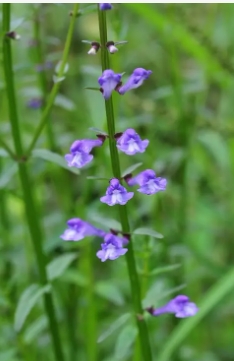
{"type": "Point", "coordinates": [30, 206]}
{"type": "Point", "coordinates": [56, 86]}
{"type": "Point", "coordinates": [131, 264]}
{"type": "Point", "coordinates": [41, 74]}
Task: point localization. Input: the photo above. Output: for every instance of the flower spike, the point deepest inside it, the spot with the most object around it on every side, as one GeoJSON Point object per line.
{"type": "Point", "coordinates": [135, 80]}
{"type": "Point", "coordinates": [180, 306]}
{"type": "Point", "coordinates": [116, 194]}
{"type": "Point", "coordinates": [148, 182]}
{"type": "Point", "coordinates": [130, 142]}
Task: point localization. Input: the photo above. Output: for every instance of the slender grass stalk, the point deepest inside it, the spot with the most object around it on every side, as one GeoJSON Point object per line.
{"type": "Point", "coordinates": [28, 197]}
{"type": "Point", "coordinates": [56, 86]}
{"type": "Point", "coordinates": [39, 58]}
{"type": "Point", "coordinates": [123, 214]}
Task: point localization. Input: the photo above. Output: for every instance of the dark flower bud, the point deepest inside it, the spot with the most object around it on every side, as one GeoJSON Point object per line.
{"type": "Point", "coordinates": [13, 35]}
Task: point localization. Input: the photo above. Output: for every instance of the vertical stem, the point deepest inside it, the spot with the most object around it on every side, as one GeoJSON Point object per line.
{"type": "Point", "coordinates": [56, 86]}
{"type": "Point", "coordinates": [30, 205]}
{"type": "Point", "coordinates": [41, 74]}
{"type": "Point", "coordinates": [123, 214]}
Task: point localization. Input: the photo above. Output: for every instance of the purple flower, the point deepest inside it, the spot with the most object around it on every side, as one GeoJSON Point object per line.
{"type": "Point", "coordinates": [80, 150]}
{"type": "Point", "coordinates": [116, 194]}
{"type": "Point", "coordinates": [34, 103]}
{"type": "Point", "coordinates": [148, 182]}
{"type": "Point", "coordinates": [108, 82]}
{"type": "Point", "coordinates": [112, 247]}
{"type": "Point", "coordinates": [180, 306]}
{"type": "Point", "coordinates": [105, 6]}
{"type": "Point", "coordinates": [131, 143]}
{"type": "Point", "coordinates": [135, 80]}
{"type": "Point", "coordinates": [79, 229]}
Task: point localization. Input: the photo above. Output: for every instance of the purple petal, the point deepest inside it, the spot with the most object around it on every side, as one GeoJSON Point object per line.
{"type": "Point", "coordinates": [105, 6]}
{"type": "Point", "coordinates": [131, 143]}
{"type": "Point", "coordinates": [135, 80]}
{"type": "Point", "coordinates": [78, 159]}
{"type": "Point", "coordinates": [108, 82]}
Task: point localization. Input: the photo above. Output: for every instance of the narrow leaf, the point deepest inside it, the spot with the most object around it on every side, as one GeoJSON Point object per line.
{"type": "Point", "coordinates": [59, 265]}
{"type": "Point", "coordinates": [110, 292]}
{"type": "Point", "coordinates": [26, 302]}
{"type": "Point", "coordinates": [99, 131]}
{"type": "Point", "coordinates": [54, 158]}
{"type": "Point", "coordinates": [3, 153]}
{"type": "Point", "coordinates": [92, 88]}
{"type": "Point", "coordinates": [35, 329]}
{"type": "Point", "coordinates": [124, 342]}
{"type": "Point", "coordinates": [114, 326]}
{"type": "Point", "coordinates": [96, 178]}
{"type": "Point", "coordinates": [131, 169]}
{"type": "Point", "coordinates": [147, 232]}
{"type": "Point", "coordinates": [7, 175]}
{"type": "Point", "coordinates": [210, 300]}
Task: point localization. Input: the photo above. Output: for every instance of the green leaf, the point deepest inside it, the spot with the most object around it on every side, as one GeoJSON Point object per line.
{"type": "Point", "coordinates": [216, 293]}
{"type": "Point", "coordinates": [7, 175]}
{"type": "Point", "coordinates": [54, 158]}
{"type": "Point", "coordinates": [27, 301]}
{"type": "Point", "coordinates": [35, 329]}
{"type": "Point", "coordinates": [110, 292]}
{"type": "Point", "coordinates": [64, 102]}
{"type": "Point", "coordinates": [92, 88]}
{"type": "Point", "coordinates": [114, 326]}
{"type": "Point", "coordinates": [76, 277]}
{"type": "Point", "coordinates": [9, 355]}
{"type": "Point", "coordinates": [125, 341]}
{"type": "Point", "coordinates": [176, 31]}
{"type": "Point", "coordinates": [161, 270]}
{"type": "Point", "coordinates": [57, 68]}
{"type": "Point", "coordinates": [99, 131]}
{"type": "Point", "coordinates": [59, 265]}
{"type": "Point", "coordinates": [58, 79]}
{"type": "Point", "coordinates": [131, 169]}
{"type": "Point", "coordinates": [147, 232]}
{"type": "Point", "coordinates": [105, 222]}
{"type": "Point", "coordinates": [216, 146]}
{"type": "Point", "coordinates": [3, 153]}
{"type": "Point", "coordinates": [91, 177]}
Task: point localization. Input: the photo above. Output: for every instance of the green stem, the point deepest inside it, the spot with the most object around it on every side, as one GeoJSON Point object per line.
{"type": "Point", "coordinates": [41, 74]}
{"type": "Point", "coordinates": [56, 86]}
{"type": "Point", "coordinates": [123, 214]}
{"type": "Point", "coordinates": [30, 205]}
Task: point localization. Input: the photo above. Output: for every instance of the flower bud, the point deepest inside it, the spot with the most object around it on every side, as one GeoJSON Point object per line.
{"type": "Point", "coordinates": [111, 47]}
{"type": "Point", "coordinates": [13, 35]}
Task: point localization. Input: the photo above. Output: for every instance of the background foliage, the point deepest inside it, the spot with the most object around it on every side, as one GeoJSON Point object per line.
{"type": "Point", "coordinates": [185, 109]}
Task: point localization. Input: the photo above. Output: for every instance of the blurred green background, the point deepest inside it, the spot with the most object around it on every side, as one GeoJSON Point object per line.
{"type": "Point", "coordinates": [185, 109]}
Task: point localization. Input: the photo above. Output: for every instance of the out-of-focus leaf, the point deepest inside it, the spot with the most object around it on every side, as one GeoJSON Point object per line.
{"type": "Point", "coordinates": [15, 23]}
{"type": "Point", "coordinates": [7, 175]}
{"type": "Point", "coordinates": [54, 158]}
{"type": "Point", "coordinates": [131, 169]}
{"type": "Point", "coordinates": [161, 270]}
{"type": "Point", "coordinates": [9, 355]}
{"type": "Point", "coordinates": [99, 131]}
{"type": "Point", "coordinates": [223, 286]}
{"type": "Point", "coordinates": [35, 329]}
{"type": "Point", "coordinates": [147, 232]}
{"type": "Point", "coordinates": [87, 10]}
{"type": "Point", "coordinates": [92, 88]}
{"type": "Point", "coordinates": [216, 146]}
{"type": "Point", "coordinates": [124, 342]}
{"type": "Point", "coordinates": [58, 79]}
{"type": "Point", "coordinates": [27, 301]}
{"type": "Point", "coordinates": [96, 178]}
{"type": "Point", "coordinates": [114, 326]}
{"type": "Point", "coordinates": [157, 292]}
{"type": "Point", "coordinates": [73, 276]}
{"type": "Point", "coordinates": [110, 292]}
{"type": "Point", "coordinates": [57, 68]}
{"type": "Point", "coordinates": [64, 102]}
{"type": "Point", "coordinates": [3, 153]}
{"type": "Point", "coordinates": [59, 265]}
{"type": "Point", "coordinates": [106, 222]}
